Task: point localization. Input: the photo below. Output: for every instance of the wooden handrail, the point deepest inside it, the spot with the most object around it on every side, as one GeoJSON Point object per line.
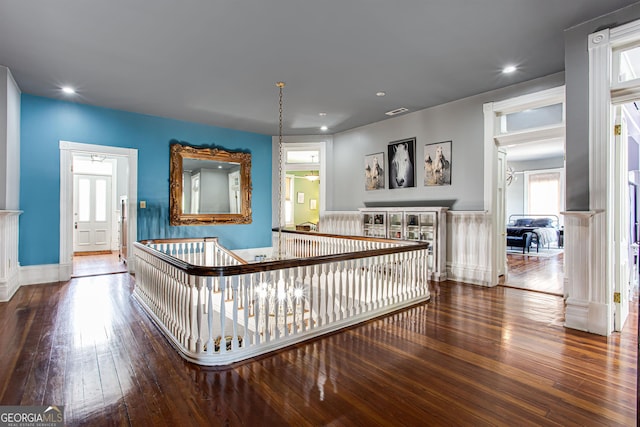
{"type": "Point", "coordinates": [340, 236]}
{"type": "Point", "coordinates": [247, 268]}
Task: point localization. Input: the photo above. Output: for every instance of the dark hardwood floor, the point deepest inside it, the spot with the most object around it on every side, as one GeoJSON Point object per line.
{"type": "Point", "coordinates": [471, 356]}
{"type": "Point", "coordinates": [542, 274]}
{"type": "Point", "coordinates": [96, 264]}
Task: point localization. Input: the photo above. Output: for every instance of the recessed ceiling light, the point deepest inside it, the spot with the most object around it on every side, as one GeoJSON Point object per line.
{"type": "Point", "coordinates": [322, 114]}
{"type": "Point", "coordinates": [396, 111]}
{"type": "Point", "coordinates": [509, 69]}
{"type": "Point", "coordinates": [68, 90]}
{"type": "Point", "coordinates": [324, 128]}
{"type": "Point", "coordinates": [381, 93]}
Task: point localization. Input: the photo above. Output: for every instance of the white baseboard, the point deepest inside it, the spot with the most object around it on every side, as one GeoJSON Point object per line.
{"type": "Point", "coordinates": [599, 319]}
{"type": "Point", "coordinates": [45, 273]}
{"type": "Point", "coordinates": [468, 274]}
{"type": "Point", "coordinates": [8, 287]}
{"type": "Point", "coordinates": [576, 314]}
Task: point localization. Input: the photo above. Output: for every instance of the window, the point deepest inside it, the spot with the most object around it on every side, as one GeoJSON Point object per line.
{"type": "Point", "coordinates": [101, 200]}
{"type": "Point", "coordinates": [84, 200]}
{"type": "Point", "coordinates": [544, 192]}
{"type": "Point", "coordinates": [626, 64]}
{"type": "Point", "coordinates": [533, 118]}
{"type": "Point", "coordinates": [96, 165]}
{"type": "Point", "coordinates": [297, 156]}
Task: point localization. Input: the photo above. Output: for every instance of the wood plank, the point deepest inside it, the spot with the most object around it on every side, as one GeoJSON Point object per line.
{"type": "Point", "coordinates": [471, 356]}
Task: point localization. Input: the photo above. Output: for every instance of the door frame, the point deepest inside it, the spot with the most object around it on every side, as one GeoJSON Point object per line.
{"type": "Point", "coordinates": [493, 140]}
{"type": "Point", "coordinates": [323, 144]}
{"type": "Point", "coordinates": [67, 150]}
{"type": "Point", "coordinates": [604, 93]}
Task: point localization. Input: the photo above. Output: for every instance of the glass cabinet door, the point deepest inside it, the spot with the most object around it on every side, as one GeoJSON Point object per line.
{"type": "Point", "coordinates": [374, 224]}
{"type": "Point", "coordinates": [428, 234]}
{"type": "Point", "coordinates": [412, 221]}
{"type": "Point", "coordinates": [396, 225]}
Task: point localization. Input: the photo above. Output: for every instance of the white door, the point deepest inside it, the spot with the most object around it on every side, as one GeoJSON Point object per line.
{"type": "Point", "coordinates": [92, 213]}
{"type": "Point", "coordinates": [234, 192]}
{"type": "Point", "coordinates": [621, 223]}
{"type": "Point", "coordinates": [501, 250]}
{"type": "Point", "coordinates": [195, 193]}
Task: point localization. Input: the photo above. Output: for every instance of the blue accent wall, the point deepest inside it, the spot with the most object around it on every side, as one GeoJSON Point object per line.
{"type": "Point", "coordinates": [45, 122]}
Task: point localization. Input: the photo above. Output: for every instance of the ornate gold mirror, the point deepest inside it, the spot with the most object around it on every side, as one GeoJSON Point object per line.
{"type": "Point", "coordinates": [209, 186]}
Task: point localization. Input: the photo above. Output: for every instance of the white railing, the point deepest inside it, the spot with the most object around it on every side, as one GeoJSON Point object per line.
{"type": "Point", "coordinates": [346, 223]}
{"type": "Point", "coordinates": [322, 284]}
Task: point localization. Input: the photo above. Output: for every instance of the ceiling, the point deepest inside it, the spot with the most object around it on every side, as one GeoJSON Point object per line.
{"type": "Point", "coordinates": [217, 61]}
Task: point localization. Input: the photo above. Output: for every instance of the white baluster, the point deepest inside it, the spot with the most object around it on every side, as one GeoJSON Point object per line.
{"type": "Point", "coordinates": [199, 315]}
{"type": "Point", "coordinates": [247, 286]}
{"type": "Point", "coordinates": [193, 301]}
{"type": "Point", "coordinates": [234, 340]}
{"type": "Point", "coordinates": [223, 314]}
{"type": "Point", "coordinates": [209, 344]}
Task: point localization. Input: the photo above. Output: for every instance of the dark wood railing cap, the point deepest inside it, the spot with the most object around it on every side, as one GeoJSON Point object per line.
{"type": "Point", "coordinates": [270, 265]}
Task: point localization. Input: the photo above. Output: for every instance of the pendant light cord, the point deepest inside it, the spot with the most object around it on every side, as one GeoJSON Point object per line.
{"type": "Point", "coordinates": [280, 86]}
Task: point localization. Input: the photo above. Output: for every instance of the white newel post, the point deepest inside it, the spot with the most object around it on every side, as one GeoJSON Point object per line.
{"type": "Point", "coordinates": [9, 267]}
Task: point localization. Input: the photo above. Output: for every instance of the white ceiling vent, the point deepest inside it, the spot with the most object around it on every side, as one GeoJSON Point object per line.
{"type": "Point", "coordinates": [396, 111]}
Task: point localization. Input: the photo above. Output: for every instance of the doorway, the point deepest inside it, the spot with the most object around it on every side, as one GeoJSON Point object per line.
{"type": "Point", "coordinates": [524, 142]}
{"type": "Point", "coordinates": [96, 248]}
{"type": "Point", "coordinates": [303, 186]}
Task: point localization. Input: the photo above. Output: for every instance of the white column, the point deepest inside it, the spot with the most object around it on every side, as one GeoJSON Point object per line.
{"type": "Point", "coordinates": [9, 266]}
{"type": "Point", "coordinates": [9, 141]}
{"type": "Point", "coordinates": [588, 234]}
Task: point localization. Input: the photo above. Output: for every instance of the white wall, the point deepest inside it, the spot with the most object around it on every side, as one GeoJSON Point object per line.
{"type": "Point", "coordinates": [461, 122]}
{"type": "Point", "coordinates": [9, 141]}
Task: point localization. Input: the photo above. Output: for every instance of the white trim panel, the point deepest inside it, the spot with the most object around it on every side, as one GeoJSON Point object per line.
{"type": "Point", "coordinates": [468, 247]}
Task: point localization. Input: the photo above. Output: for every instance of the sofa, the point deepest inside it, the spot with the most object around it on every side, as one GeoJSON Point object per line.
{"type": "Point", "coordinates": [523, 241]}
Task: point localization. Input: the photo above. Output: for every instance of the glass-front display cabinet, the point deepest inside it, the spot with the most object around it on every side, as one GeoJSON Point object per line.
{"type": "Point", "coordinates": [427, 224]}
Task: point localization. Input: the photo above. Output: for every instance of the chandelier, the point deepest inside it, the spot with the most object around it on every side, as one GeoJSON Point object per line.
{"type": "Point", "coordinates": [313, 176]}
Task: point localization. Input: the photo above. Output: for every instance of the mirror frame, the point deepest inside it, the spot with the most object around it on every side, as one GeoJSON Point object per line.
{"type": "Point", "coordinates": [179, 152]}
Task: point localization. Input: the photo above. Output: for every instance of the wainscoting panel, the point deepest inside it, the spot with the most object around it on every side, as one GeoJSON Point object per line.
{"type": "Point", "coordinates": [9, 267]}
{"type": "Point", "coordinates": [345, 223]}
{"type": "Point", "coordinates": [587, 308]}
{"type": "Point", "coordinates": [469, 247]}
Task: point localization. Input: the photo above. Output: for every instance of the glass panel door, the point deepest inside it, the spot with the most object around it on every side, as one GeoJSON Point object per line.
{"type": "Point", "coordinates": [427, 229]}
{"type": "Point", "coordinates": [374, 224]}
{"type": "Point", "coordinates": [396, 225]}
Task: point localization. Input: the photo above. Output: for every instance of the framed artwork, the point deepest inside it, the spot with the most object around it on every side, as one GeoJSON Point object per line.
{"type": "Point", "coordinates": [300, 197]}
{"type": "Point", "coordinates": [401, 163]}
{"type": "Point", "coordinates": [313, 204]}
{"type": "Point", "coordinates": [437, 163]}
{"type": "Point", "coordinates": [374, 171]}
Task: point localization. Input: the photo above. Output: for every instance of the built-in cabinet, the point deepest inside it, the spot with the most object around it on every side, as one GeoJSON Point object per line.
{"type": "Point", "coordinates": [426, 224]}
